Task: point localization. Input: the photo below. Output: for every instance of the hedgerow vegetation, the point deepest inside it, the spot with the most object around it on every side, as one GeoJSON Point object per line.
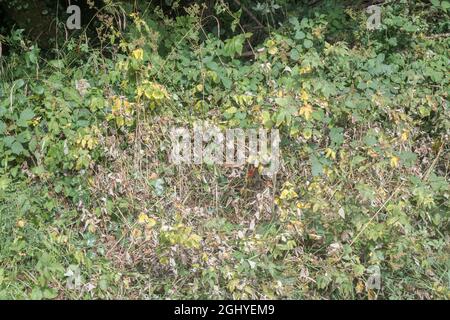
{"type": "Point", "coordinates": [91, 207]}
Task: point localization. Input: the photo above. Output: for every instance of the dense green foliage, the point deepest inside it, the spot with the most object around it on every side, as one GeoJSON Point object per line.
{"type": "Point", "coordinates": [86, 185]}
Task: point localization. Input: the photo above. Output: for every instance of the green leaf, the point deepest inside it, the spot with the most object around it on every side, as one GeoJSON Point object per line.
{"type": "Point", "coordinates": [36, 294]}
{"type": "Point", "coordinates": [231, 110]}
{"type": "Point", "coordinates": [2, 127]}
{"type": "Point", "coordinates": [336, 136]}
{"type": "Point", "coordinates": [366, 191]}
{"type": "Point", "coordinates": [25, 116]}
{"type": "Point", "coordinates": [408, 158]}
{"type": "Point", "coordinates": [299, 35]}
{"type": "Point", "coordinates": [295, 55]}
{"type": "Point", "coordinates": [227, 83]}
{"type": "Point", "coordinates": [266, 118]}
{"type": "Point", "coordinates": [72, 95]}
{"type": "Point", "coordinates": [370, 140]}
{"type": "Point", "coordinates": [50, 293]}
{"type": "Point", "coordinates": [286, 111]}
{"type": "Point", "coordinates": [19, 83]}
{"type": "Point", "coordinates": [59, 64]}
{"type": "Point", "coordinates": [307, 43]}
{"type": "Point", "coordinates": [39, 90]}
{"type": "Point", "coordinates": [4, 182]}
{"type": "Point", "coordinates": [17, 148]}
{"type": "Point", "coordinates": [316, 166]}
{"type": "Point", "coordinates": [234, 46]}
{"type": "Point", "coordinates": [424, 111]}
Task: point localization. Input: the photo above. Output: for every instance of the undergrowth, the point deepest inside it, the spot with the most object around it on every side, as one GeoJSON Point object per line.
{"type": "Point", "coordinates": [91, 206]}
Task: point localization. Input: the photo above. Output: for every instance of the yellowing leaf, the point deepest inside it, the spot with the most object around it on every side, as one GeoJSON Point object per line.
{"type": "Point", "coordinates": [232, 285]}
{"type": "Point", "coordinates": [199, 87]}
{"type": "Point", "coordinates": [272, 47]}
{"type": "Point", "coordinates": [150, 223]}
{"type": "Point", "coordinates": [304, 96]}
{"type": "Point", "coordinates": [138, 54]}
{"type": "Point", "coordinates": [288, 192]}
{"type": "Point", "coordinates": [394, 161]}
{"type": "Point", "coordinates": [360, 287]}
{"type": "Point", "coordinates": [330, 153]}
{"type": "Point", "coordinates": [143, 218]}
{"type": "Point", "coordinates": [307, 133]}
{"type": "Point", "coordinates": [302, 205]}
{"type": "Point", "coordinates": [305, 70]}
{"type": "Point", "coordinates": [116, 105]}
{"type": "Point", "coordinates": [273, 50]}
{"type": "Point", "coordinates": [21, 223]}
{"type": "Point", "coordinates": [306, 110]}
{"type": "Point", "coordinates": [405, 135]}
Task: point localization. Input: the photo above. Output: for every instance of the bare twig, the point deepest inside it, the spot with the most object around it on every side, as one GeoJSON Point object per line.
{"type": "Point", "coordinates": [437, 36]}
{"type": "Point", "coordinates": [250, 14]}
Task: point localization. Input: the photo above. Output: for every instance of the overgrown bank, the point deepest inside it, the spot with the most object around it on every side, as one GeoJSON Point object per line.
{"type": "Point", "coordinates": [91, 207]}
